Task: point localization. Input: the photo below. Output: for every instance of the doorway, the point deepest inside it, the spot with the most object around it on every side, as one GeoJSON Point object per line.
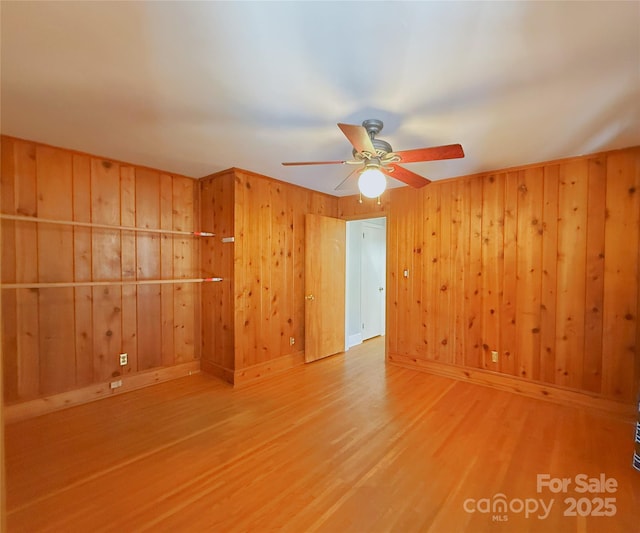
{"type": "Point", "coordinates": [365, 294]}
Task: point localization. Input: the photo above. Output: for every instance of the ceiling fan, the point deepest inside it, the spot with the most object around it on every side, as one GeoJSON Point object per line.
{"type": "Point", "coordinates": [375, 159]}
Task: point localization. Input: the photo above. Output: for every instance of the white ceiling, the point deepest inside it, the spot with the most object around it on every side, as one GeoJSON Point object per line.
{"type": "Point", "coordinates": [198, 87]}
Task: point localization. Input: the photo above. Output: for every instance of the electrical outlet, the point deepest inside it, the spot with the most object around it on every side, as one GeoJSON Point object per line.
{"type": "Point", "coordinates": [292, 341]}
{"type": "Point", "coordinates": [124, 359]}
{"type": "Point", "coordinates": [494, 357]}
{"type": "Point", "coordinates": [116, 384]}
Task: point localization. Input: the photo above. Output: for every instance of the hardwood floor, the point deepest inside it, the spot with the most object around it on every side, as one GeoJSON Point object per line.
{"type": "Point", "coordinates": [342, 444]}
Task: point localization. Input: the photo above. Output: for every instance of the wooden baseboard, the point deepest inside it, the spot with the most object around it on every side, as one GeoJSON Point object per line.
{"type": "Point", "coordinates": [251, 374]}
{"type": "Point", "coordinates": [217, 370]}
{"type": "Point", "coordinates": [48, 404]}
{"type": "Point", "coordinates": [532, 389]}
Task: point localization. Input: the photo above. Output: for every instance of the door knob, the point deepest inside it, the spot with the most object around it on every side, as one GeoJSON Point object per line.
{"type": "Point", "coordinates": [310, 297]}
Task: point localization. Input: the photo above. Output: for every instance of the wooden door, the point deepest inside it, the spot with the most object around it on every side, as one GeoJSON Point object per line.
{"type": "Point", "coordinates": [324, 273]}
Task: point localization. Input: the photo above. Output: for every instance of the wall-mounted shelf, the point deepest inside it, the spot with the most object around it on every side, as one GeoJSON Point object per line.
{"type": "Point", "coordinates": [56, 284]}
{"type": "Point", "coordinates": [24, 218]}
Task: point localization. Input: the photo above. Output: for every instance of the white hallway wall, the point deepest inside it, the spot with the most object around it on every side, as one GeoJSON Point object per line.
{"type": "Point", "coordinates": [353, 309]}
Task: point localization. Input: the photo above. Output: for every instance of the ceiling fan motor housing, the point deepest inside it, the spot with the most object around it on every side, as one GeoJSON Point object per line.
{"type": "Point", "coordinates": [373, 127]}
{"type": "Point", "coordinates": [382, 148]}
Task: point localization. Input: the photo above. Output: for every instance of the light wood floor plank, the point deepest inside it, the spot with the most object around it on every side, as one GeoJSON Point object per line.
{"type": "Point", "coordinates": [342, 444]}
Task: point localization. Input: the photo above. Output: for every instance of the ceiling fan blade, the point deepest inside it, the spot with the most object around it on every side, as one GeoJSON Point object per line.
{"type": "Point", "coordinates": [346, 182]}
{"type": "Point", "coordinates": [359, 138]}
{"type": "Point", "coordinates": [405, 176]}
{"type": "Point", "coordinates": [294, 163]}
{"type": "Point", "coordinates": [448, 151]}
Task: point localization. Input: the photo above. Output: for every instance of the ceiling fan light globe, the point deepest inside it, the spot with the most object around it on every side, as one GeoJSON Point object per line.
{"type": "Point", "coordinates": [372, 183]}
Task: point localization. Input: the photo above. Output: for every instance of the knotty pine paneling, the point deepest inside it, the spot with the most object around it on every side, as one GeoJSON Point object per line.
{"type": "Point", "coordinates": [354, 208]}
{"type": "Point", "coordinates": [534, 263]}
{"type": "Point", "coordinates": [61, 339]}
{"type": "Point", "coordinates": [620, 304]}
{"type": "Point", "coordinates": [106, 265]}
{"type": "Point", "coordinates": [269, 265]}
{"type": "Point", "coordinates": [549, 284]}
{"type": "Point", "coordinates": [217, 210]}
{"type": "Point", "coordinates": [128, 262]}
{"type": "Point", "coordinates": [148, 258]}
{"type": "Point", "coordinates": [539, 263]}
{"type": "Point", "coordinates": [55, 262]}
{"type": "Point", "coordinates": [82, 243]}
{"type": "Point", "coordinates": [3, 476]}
{"type": "Point", "coordinates": [249, 318]}
{"type": "Point", "coordinates": [594, 275]}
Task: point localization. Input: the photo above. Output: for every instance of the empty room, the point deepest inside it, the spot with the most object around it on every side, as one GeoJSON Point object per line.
{"type": "Point", "coordinates": [320, 266]}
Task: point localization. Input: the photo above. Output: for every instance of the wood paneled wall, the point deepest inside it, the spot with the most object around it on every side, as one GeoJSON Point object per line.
{"type": "Point", "coordinates": [60, 339]}
{"type": "Point", "coordinates": [539, 264]}
{"type": "Point", "coordinates": [3, 486]}
{"type": "Point", "coordinates": [217, 213]}
{"type": "Point", "coordinates": [267, 272]}
{"type": "Point", "coordinates": [269, 265]}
